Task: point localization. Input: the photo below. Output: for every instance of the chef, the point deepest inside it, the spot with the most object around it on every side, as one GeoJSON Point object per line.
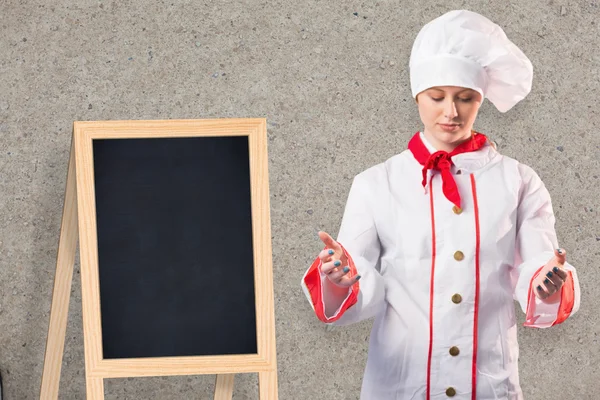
{"type": "Point", "coordinates": [438, 241]}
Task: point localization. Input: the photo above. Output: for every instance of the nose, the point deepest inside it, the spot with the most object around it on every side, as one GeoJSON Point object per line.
{"type": "Point", "coordinates": [450, 109]}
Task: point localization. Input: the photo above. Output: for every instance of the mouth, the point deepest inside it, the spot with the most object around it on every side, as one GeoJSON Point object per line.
{"type": "Point", "coordinates": [449, 127]}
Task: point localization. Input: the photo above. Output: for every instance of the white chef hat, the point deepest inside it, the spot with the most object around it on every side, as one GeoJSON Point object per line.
{"type": "Point", "coordinates": [463, 48]}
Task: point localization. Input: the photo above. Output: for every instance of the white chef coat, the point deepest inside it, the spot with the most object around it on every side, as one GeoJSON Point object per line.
{"type": "Point", "coordinates": [419, 258]}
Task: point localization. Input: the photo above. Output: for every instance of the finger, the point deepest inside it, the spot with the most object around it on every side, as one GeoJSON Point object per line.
{"type": "Point", "coordinates": [347, 281]}
{"type": "Point", "coordinates": [330, 266]}
{"type": "Point", "coordinates": [550, 287]}
{"type": "Point", "coordinates": [326, 255]}
{"type": "Point", "coordinates": [337, 275]}
{"type": "Point", "coordinates": [556, 279]}
{"type": "Point", "coordinates": [561, 255]}
{"type": "Point", "coordinates": [560, 272]}
{"type": "Point", "coordinates": [327, 267]}
{"type": "Point", "coordinates": [328, 241]}
{"type": "Point", "coordinates": [540, 291]}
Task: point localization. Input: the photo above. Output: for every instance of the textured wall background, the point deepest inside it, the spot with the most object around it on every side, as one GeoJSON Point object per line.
{"type": "Point", "coordinates": [331, 78]}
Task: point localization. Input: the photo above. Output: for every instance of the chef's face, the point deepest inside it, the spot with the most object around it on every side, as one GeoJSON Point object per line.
{"type": "Point", "coordinates": [448, 114]}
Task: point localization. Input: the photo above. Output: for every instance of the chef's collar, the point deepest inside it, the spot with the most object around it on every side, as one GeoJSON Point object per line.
{"type": "Point", "coordinates": [469, 161]}
{"type": "Point", "coordinates": [427, 144]}
{"type": "Point", "coordinates": [442, 161]}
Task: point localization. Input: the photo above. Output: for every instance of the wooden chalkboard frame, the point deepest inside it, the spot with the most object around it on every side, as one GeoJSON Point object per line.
{"type": "Point", "coordinates": [79, 222]}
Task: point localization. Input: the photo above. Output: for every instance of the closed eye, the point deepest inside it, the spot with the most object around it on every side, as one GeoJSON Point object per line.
{"type": "Point", "coordinates": [441, 98]}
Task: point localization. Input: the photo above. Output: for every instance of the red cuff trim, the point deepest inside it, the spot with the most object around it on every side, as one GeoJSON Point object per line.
{"type": "Point", "coordinates": [567, 299]}
{"type": "Point", "coordinates": [314, 284]}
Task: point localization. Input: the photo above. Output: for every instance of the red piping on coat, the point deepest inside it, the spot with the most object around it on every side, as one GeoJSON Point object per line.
{"type": "Point", "coordinates": [431, 288]}
{"type": "Point", "coordinates": [476, 314]}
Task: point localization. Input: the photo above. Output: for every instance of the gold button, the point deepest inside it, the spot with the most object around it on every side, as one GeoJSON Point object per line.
{"type": "Point", "coordinates": [457, 210]}
{"type": "Point", "coordinates": [458, 256]}
{"type": "Point", "coordinates": [450, 392]}
{"type": "Point", "coordinates": [457, 298]}
{"type": "Point", "coordinates": [454, 351]}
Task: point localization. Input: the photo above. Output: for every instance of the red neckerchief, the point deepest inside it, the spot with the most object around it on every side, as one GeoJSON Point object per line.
{"type": "Point", "coordinates": [441, 160]}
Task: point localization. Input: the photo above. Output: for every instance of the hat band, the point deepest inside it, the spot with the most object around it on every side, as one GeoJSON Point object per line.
{"type": "Point", "coordinates": [447, 70]}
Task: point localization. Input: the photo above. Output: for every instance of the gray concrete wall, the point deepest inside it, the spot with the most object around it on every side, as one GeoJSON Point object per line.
{"type": "Point", "coordinates": [331, 78]}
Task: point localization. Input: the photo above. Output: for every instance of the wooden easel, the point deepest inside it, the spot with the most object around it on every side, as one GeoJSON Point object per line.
{"type": "Point", "coordinates": [78, 196]}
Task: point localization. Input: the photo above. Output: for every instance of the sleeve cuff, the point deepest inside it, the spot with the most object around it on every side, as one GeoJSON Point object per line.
{"type": "Point", "coordinates": [544, 315]}
{"type": "Point", "coordinates": [312, 284]}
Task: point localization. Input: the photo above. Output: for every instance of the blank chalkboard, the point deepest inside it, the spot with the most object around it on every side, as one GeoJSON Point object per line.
{"type": "Point", "coordinates": [172, 218]}
{"type": "Point", "coordinates": [175, 251]}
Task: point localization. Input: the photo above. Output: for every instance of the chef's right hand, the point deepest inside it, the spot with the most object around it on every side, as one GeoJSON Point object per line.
{"type": "Point", "coordinates": [334, 263]}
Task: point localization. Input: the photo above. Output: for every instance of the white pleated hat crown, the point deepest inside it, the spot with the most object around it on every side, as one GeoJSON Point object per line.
{"type": "Point", "coordinates": [465, 49]}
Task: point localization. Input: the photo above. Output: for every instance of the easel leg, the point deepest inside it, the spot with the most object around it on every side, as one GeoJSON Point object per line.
{"type": "Point", "coordinates": [61, 294]}
{"type": "Point", "coordinates": [224, 387]}
{"type": "Point", "coordinates": [95, 388]}
{"type": "Point", "coordinates": [267, 385]}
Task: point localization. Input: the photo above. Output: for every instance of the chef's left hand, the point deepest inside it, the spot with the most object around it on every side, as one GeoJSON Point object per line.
{"type": "Point", "coordinates": [548, 283]}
